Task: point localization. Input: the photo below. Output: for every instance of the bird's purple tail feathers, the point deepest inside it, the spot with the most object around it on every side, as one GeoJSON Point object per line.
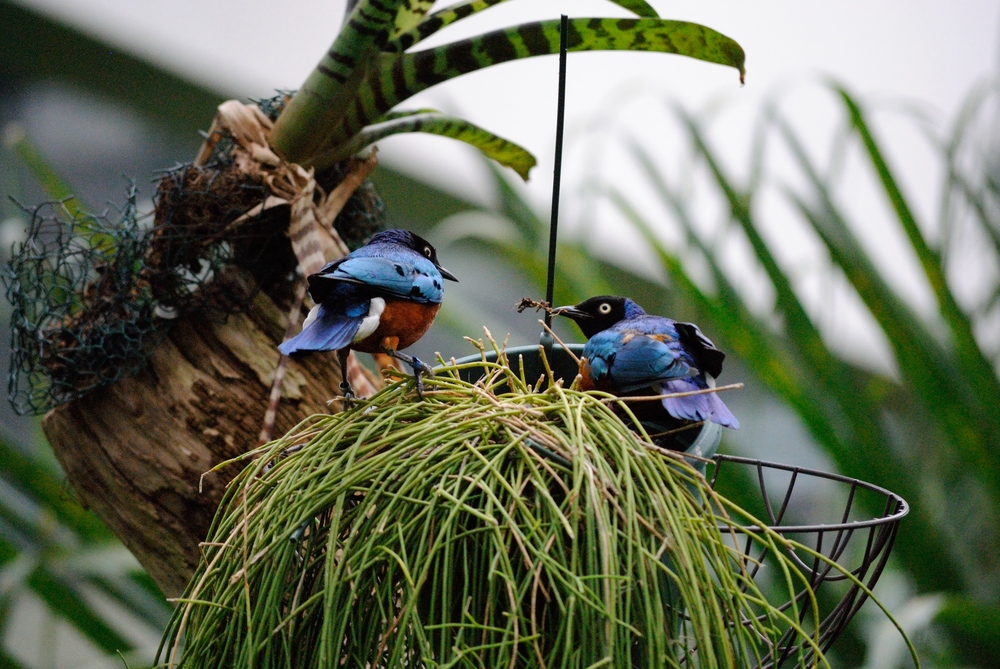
{"type": "Point", "coordinates": [327, 332]}
{"type": "Point", "coordinates": [706, 406]}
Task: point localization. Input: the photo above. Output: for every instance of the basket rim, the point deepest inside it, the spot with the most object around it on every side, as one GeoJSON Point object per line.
{"type": "Point", "coordinates": [896, 506]}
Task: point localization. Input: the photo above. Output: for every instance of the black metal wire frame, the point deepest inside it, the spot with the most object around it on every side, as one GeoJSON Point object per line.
{"type": "Point", "coordinates": [877, 533]}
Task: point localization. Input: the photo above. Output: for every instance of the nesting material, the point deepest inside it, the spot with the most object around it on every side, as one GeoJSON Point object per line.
{"type": "Point", "coordinates": [527, 529]}
{"type": "Point", "coordinates": [93, 295]}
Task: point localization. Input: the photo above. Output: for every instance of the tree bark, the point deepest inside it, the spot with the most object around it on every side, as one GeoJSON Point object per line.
{"type": "Point", "coordinates": [135, 451]}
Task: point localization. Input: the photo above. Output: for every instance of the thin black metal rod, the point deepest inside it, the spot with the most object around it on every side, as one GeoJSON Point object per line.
{"type": "Point", "coordinates": [557, 171]}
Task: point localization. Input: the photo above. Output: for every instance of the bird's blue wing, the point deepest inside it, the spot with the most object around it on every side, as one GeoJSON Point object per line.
{"type": "Point", "coordinates": [415, 279]}
{"type": "Point", "coordinates": [631, 361]}
{"type": "Point", "coordinates": [331, 330]}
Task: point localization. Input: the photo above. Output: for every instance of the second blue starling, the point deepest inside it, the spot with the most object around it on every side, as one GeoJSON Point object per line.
{"type": "Point", "coordinates": [630, 352]}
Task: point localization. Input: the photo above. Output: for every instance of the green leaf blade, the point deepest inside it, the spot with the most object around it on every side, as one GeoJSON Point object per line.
{"type": "Point", "coordinates": [401, 76]}
{"type": "Point", "coordinates": [503, 151]}
{"type": "Point", "coordinates": [678, 37]}
{"type": "Point", "coordinates": [437, 21]}
{"type": "Point", "coordinates": [637, 7]}
{"type": "Point", "coordinates": [64, 600]}
{"type": "Point", "coordinates": [976, 367]}
{"type": "Point", "coordinates": [932, 371]}
{"type": "Point", "coordinates": [330, 87]}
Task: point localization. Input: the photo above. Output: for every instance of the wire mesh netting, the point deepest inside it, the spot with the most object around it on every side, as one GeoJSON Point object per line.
{"type": "Point", "coordinates": [93, 294]}
{"type": "Point", "coordinates": [80, 317]}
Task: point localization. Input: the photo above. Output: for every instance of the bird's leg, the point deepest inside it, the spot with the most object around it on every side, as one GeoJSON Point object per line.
{"type": "Point", "coordinates": [419, 368]}
{"type": "Point", "coordinates": [345, 385]}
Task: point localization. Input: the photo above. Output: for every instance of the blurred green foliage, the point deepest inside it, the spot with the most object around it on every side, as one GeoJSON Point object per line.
{"type": "Point", "coordinates": [54, 551]}
{"type": "Point", "coordinates": [929, 433]}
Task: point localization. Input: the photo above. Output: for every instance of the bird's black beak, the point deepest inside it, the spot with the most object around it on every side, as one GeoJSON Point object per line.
{"type": "Point", "coordinates": [446, 274]}
{"type": "Point", "coordinates": [570, 312]}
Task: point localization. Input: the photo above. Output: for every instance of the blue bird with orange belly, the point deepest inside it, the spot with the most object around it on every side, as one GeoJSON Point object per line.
{"type": "Point", "coordinates": [630, 352]}
{"type": "Point", "coordinates": [381, 298]}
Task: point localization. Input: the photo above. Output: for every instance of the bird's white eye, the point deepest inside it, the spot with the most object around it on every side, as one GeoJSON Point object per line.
{"type": "Point", "coordinates": [605, 308]}
{"type": "Point", "coordinates": [428, 251]}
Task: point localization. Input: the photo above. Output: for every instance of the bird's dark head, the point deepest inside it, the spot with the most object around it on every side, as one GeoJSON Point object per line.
{"type": "Point", "coordinates": [415, 242]}
{"type": "Point", "coordinates": [599, 313]}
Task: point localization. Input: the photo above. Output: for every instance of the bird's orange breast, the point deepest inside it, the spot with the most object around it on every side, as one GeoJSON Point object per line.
{"type": "Point", "coordinates": [402, 323]}
{"type": "Point", "coordinates": [587, 381]}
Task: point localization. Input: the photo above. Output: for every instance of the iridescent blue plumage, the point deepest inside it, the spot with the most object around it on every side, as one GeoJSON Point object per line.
{"type": "Point", "coordinates": [401, 273]}
{"type": "Point", "coordinates": [388, 266]}
{"type": "Point", "coordinates": [637, 352]}
{"type": "Point", "coordinates": [380, 298]}
{"type": "Point", "coordinates": [630, 351]}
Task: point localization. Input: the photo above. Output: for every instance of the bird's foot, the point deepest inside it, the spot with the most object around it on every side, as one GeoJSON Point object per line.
{"type": "Point", "coordinates": [420, 368]}
{"type": "Point", "coordinates": [348, 393]}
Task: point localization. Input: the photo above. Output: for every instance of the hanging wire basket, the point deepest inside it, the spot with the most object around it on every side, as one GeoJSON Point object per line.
{"type": "Point", "coordinates": [855, 530]}
{"type": "Point", "coordinates": [857, 534]}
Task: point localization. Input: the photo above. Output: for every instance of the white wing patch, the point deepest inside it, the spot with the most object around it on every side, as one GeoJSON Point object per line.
{"type": "Point", "coordinates": [370, 323]}
{"type": "Point", "coordinates": [310, 317]}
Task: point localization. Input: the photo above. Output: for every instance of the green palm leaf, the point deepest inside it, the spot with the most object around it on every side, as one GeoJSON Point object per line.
{"type": "Point", "coordinates": [976, 368]}
{"type": "Point", "coordinates": [513, 207]}
{"type": "Point", "coordinates": [449, 15]}
{"type": "Point", "coordinates": [398, 77]}
{"type": "Point", "coordinates": [932, 372]}
{"type": "Point", "coordinates": [858, 449]}
{"type": "Point", "coordinates": [409, 15]}
{"type": "Point", "coordinates": [499, 149]}
{"type": "Point", "coordinates": [323, 97]}
{"type": "Point", "coordinates": [367, 72]}
{"type": "Point", "coordinates": [37, 555]}
{"type": "Point", "coordinates": [637, 7]}
{"type": "Point", "coordinates": [436, 21]}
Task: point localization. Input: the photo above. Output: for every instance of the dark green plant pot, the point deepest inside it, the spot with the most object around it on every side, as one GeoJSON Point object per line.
{"type": "Point", "coordinates": [528, 359]}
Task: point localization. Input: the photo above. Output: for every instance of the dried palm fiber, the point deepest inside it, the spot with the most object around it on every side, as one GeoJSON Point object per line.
{"type": "Point", "coordinates": [216, 267]}
{"type": "Point", "coordinates": [530, 529]}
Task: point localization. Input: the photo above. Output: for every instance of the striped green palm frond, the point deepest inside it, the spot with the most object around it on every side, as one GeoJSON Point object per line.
{"type": "Point", "coordinates": [368, 70]}
{"type": "Point", "coordinates": [449, 15]}
{"type": "Point", "coordinates": [401, 76]}
{"type": "Point", "coordinates": [433, 122]}
{"type": "Point", "coordinates": [436, 21]}
{"type": "Point", "coordinates": [637, 7]}
{"type": "Point", "coordinates": [334, 82]}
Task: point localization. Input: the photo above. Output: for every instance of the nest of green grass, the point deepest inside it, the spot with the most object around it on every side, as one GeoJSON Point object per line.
{"type": "Point", "coordinates": [530, 528]}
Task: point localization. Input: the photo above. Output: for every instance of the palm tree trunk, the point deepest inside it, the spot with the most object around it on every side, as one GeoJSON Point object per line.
{"type": "Point", "coordinates": [139, 453]}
